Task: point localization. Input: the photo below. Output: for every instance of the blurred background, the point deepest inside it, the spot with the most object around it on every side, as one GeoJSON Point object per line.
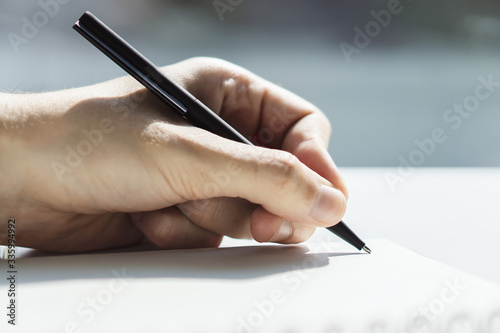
{"type": "Point", "coordinates": [382, 89]}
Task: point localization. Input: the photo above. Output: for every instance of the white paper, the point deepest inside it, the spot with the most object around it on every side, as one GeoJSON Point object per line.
{"type": "Point", "coordinates": [316, 287]}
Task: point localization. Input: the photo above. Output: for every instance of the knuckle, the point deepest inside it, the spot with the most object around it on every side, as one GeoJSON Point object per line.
{"type": "Point", "coordinates": [210, 64]}
{"type": "Point", "coordinates": [206, 60]}
{"type": "Point", "coordinates": [287, 177]}
{"type": "Point", "coordinates": [284, 168]}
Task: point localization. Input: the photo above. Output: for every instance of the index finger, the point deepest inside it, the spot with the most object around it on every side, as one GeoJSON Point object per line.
{"type": "Point", "coordinates": [290, 123]}
{"type": "Point", "coordinates": [273, 116]}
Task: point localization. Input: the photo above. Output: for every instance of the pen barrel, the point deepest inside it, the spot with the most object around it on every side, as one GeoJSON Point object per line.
{"type": "Point", "coordinates": [344, 232]}
{"type": "Point", "coordinates": [211, 122]}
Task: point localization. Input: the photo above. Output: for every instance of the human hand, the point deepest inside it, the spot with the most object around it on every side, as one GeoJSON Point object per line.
{"type": "Point", "coordinates": [109, 165]}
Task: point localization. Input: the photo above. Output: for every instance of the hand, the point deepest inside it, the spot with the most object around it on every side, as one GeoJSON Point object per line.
{"type": "Point", "coordinates": [109, 165]}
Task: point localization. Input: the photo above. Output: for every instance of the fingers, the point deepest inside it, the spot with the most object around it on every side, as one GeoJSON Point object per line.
{"type": "Point", "coordinates": [238, 218]}
{"type": "Point", "coordinates": [308, 140]}
{"type": "Point", "coordinates": [225, 216]}
{"type": "Point", "coordinates": [261, 109]}
{"type": "Point", "coordinates": [246, 101]}
{"type": "Point", "coordinates": [169, 229]}
{"type": "Point", "coordinates": [275, 179]}
{"type": "Point", "coordinates": [267, 227]}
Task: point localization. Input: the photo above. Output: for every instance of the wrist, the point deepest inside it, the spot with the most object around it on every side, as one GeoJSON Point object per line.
{"type": "Point", "coordinates": [10, 182]}
{"type": "Point", "coordinates": [20, 119]}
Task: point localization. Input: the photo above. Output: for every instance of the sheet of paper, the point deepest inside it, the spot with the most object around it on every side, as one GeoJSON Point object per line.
{"type": "Point", "coordinates": [315, 287]}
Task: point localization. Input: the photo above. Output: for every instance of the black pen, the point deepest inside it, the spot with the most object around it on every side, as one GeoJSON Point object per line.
{"type": "Point", "coordinates": [178, 98]}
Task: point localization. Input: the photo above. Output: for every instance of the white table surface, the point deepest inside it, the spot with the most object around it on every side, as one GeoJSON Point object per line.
{"type": "Point", "coordinates": [448, 214]}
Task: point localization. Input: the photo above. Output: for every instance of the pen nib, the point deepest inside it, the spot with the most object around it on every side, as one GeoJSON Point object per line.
{"type": "Point", "coordinates": [367, 249]}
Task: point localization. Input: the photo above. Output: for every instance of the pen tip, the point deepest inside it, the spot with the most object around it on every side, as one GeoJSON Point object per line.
{"type": "Point", "coordinates": [367, 249]}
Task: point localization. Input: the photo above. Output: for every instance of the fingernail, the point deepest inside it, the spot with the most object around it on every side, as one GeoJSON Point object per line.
{"type": "Point", "coordinates": [283, 233]}
{"type": "Point", "coordinates": [330, 205]}
{"type": "Point", "coordinates": [136, 217]}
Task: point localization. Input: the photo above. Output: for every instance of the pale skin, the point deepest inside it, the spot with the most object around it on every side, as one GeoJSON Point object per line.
{"type": "Point", "coordinates": [150, 176]}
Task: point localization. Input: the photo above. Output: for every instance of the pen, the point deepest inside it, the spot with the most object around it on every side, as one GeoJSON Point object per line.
{"type": "Point", "coordinates": [178, 98]}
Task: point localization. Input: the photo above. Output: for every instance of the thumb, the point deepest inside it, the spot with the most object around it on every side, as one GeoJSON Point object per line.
{"type": "Point", "coordinates": [274, 179]}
